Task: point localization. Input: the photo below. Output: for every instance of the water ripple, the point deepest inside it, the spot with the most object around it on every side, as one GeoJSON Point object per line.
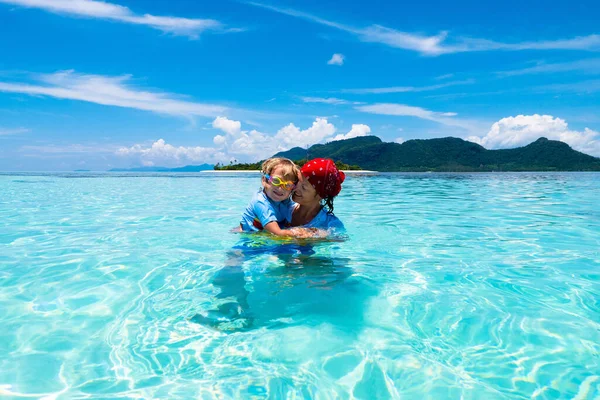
{"type": "Point", "coordinates": [450, 286]}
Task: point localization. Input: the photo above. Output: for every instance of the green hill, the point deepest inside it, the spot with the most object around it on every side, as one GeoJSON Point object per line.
{"type": "Point", "coordinates": [448, 154]}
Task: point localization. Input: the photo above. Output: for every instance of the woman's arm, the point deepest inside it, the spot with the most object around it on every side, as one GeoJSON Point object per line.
{"type": "Point", "coordinates": [273, 228]}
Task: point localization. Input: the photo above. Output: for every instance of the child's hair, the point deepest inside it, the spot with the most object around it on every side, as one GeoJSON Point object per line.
{"type": "Point", "coordinates": [290, 170]}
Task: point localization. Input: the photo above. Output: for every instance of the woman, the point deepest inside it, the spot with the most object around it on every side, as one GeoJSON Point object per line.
{"type": "Point", "coordinates": [319, 184]}
{"type": "Point", "coordinates": [311, 215]}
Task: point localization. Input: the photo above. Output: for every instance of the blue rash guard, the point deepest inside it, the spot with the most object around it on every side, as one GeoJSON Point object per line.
{"type": "Point", "coordinates": [263, 210]}
{"type": "Point", "coordinates": [323, 220]}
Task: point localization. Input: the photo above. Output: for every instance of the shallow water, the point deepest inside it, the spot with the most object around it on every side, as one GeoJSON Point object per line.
{"type": "Point", "coordinates": [472, 286]}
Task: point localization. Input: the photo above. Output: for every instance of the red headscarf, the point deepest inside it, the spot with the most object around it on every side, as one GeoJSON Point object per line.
{"type": "Point", "coordinates": [324, 176]}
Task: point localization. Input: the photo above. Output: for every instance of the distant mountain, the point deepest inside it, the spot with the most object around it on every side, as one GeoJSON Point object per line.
{"type": "Point", "coordinates": [448, 154]}
{"type": "Point", "coordinates": [187, 168]}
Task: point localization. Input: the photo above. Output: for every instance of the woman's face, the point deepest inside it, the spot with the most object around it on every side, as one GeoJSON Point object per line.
{"type": "Point", "coordinates": [305, 193]}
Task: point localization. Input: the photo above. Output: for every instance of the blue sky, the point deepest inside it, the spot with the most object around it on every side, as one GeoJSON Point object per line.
{"type": "Point", "coordinates": [95, 85]}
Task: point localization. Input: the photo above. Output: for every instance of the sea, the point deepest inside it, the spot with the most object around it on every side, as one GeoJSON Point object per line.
{"type": "Point", "coordinates": [443, 286]}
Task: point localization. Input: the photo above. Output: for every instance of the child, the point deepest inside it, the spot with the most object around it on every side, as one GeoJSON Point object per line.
{"type": "Point", "coordinates": [271, 204]}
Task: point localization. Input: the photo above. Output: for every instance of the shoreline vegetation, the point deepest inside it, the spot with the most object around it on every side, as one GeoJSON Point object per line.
{"type": "Point", "coordinates": [257, 171]}
{"type": "Point", "coordinates": [257, 166]}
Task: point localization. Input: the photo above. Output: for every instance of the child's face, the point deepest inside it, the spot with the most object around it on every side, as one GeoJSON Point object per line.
{"type": "Point", "coordinates": [276, 193]}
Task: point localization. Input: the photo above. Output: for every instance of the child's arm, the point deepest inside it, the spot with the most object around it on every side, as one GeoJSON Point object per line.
{"type": "Point", "coordinates": [273, 228]}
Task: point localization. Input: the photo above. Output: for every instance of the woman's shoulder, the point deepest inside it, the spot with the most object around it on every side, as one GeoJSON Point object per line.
{"type": "Point", "coordinates": [334, 222]}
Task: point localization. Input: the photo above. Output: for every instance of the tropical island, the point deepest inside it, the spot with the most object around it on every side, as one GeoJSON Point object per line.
{"type": "Point", "coordinates": [257, 166]}
{"type": "Point", "coordinates": [438, 155]}
{"type": "Point", "coordinates": [447, 154]}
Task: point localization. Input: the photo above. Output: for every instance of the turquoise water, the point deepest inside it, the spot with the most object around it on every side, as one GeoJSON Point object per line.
{"type": "Point", "coordinates": [458, 286]}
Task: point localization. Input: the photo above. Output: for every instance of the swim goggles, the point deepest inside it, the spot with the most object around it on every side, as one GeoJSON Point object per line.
{"type": "Point", "coordinates": [277, 181]}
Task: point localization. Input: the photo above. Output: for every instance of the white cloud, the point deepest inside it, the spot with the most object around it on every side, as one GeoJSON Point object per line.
{"type": "Point", "coordinates": [523, 129]}
{"type": "Point", "coordinates": [13, 131]}
{"type": "Point", "coordinates": [438, 44]}
{"type": "Point", "coordinates": [237, 143]}
{"type": "Point", "coordinates": [110, 91]}
{"type": "Point", "coordinates": [590, 42]}
{"type": "Point", "coordinates": [590, 66]}
{"type": "Point", "coordinates": [258, 145]}
{"type": "Point", "coordinates": [356, 131]}
{"type": "Point", "coordinates": [399, 140]}
{"type": "Point", "coordinates": [324, 100]}
{"type": "Point", "coordinates": [430, 45]}
{"type": "Point", "coordinates": [164, 154]}
{"type": "Point", "coordinates": [445, 118]}
{"type": "Point", "coordinates": [581, 87]}
{"type": "Point", "coordinates": [228, 126]}
{"type": "Point", "coordinates": [110, 11]}
{"type": "Point", "coordinates": [405, 89]}
{"type": "Point", "coordinates": [336, 59]}
{"type": "Point", "coordinates": [374, 33]}
{"type": "Point", "coordinates": [398, 109]}
{"type": "Point", "coordinates": [254, 145]}
{"type": "Point", "coordinates": [442, 77]}
{"type": "Point", "coordinates": [68, 149]}
{"type": "Point", "coordinates": [220, 140]}
{"type": "Point", "coordinates": [290, 136]}
{"type": "Point", "coordinates": [589, 86]}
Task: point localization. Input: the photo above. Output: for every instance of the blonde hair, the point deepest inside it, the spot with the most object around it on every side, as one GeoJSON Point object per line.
{"type": "Point", "coordinates": [290, 170]}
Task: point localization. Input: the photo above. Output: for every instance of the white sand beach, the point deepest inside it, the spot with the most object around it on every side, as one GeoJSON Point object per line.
{"type": "Point", "coordinates": [352, 172]}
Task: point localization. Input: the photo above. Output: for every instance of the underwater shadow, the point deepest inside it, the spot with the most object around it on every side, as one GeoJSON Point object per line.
{"type": "Point", "coordinates": [273, 284]}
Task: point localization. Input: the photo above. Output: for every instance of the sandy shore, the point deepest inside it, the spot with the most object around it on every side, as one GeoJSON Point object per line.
{"type": "Point", "coordinates": [257, 171]}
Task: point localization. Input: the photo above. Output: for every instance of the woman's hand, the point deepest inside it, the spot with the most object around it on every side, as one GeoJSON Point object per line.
{"type": "Point", "coordinates": [298, 232]}
{"type": "Point", "coordinates": [304, 233]}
